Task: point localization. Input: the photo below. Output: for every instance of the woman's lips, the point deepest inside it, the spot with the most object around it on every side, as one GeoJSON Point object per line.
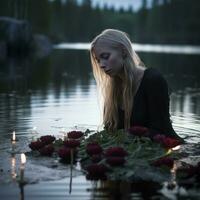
{"type": "Point", "coordinates": [108, 71]}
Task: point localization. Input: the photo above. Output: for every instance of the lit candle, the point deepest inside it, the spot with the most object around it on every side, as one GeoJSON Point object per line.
{"type": "Point", "coordinates": [176, 148]}
{"type": "Point", "coordinates": [13, 137]}
{"type": "Point", "coordinates": [23, 161]}
{"type": "Point", "coordinates": [13, 140]}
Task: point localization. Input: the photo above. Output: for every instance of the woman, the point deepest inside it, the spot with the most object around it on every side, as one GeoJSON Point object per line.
{"type": "Point", "coordinates": [132, 94]}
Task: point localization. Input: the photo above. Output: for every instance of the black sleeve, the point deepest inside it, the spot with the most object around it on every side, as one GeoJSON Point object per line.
{"type": "Point", "coordinates": [158, 105]}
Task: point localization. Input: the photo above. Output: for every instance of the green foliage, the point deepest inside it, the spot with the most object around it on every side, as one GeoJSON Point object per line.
{"type": "Point", "coordinates": [141, 153]}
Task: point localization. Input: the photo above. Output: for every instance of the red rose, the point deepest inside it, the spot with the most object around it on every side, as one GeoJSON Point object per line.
{"type": "Point", "coordinates": [170, 143]}
{"type": "Point", "coordinates": [115, 161]}
{"type": "Point", "coordinates": [47, 139]}
{"type": "Point", "coordinates": [47, 150]}
{"type": "Point", "coordinates": [96, 172]}
{"type": "Point", "coordinates": [164, 161]}
{"type": "Point", "coordinates": [93, 148]}
{"type": "Point", "coordinates": [64, 153]}
{"type": "Point", "coordinates": [75, 134]}
{"type": "Point", "coordinates": [115, 151]}
{"type": "Point", "coordinates": [71, 143]}
{"type": "Point", "coordinates": [166, 142]}
{"type": "Point", "coordinates": [96, 158]}
{"type": "Point", "coordinates": [36, 145]}
{"type": "Point", "coordinates": [138, 131]}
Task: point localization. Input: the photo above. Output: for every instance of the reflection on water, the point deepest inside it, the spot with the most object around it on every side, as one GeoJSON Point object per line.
{"type": "Point", "coordinates": [58, 93]}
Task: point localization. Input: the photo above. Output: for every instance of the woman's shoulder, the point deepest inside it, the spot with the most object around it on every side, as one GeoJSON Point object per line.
{"type": "Point", "coordinates": [153, 77]}
{"type": "Point", "coordinates": [153, 74]}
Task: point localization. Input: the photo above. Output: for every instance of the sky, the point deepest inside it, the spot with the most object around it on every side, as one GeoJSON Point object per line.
{"type": "Point", "coordinates": [135, 4]}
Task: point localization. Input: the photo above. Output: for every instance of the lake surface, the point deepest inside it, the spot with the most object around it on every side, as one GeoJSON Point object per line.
{"type": "Point", "coordinates": [40, 96]}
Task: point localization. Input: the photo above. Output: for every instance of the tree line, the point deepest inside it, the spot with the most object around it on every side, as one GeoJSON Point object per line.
{"type": "Point", "coordinates": [167, 21]}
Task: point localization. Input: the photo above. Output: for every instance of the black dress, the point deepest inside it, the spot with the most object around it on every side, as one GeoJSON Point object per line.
{"type": "Point", "coordinates": [151, 105]}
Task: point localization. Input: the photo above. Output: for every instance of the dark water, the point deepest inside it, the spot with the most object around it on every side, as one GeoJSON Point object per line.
{"type": "Point", "coordinates": [58, 93]}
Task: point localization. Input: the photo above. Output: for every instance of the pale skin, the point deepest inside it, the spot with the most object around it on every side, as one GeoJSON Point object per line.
{"type": "Point", "coordinates": [111, 60]}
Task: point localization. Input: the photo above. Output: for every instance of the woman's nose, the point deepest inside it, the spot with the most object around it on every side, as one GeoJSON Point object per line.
{"type": "Point", "coordinates": [102, 65]}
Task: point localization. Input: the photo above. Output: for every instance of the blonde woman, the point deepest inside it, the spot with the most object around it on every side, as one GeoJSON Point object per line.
{"type": "Point", "coordinates": [132, 94]}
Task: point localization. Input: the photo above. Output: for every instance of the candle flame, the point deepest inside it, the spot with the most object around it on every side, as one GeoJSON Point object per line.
{"type": "Point", "coordinates": [23, 158]}
{"type": "Point", "coordinates": [13, 136]}
{"type": "Point", "coordinates": [176, 148]}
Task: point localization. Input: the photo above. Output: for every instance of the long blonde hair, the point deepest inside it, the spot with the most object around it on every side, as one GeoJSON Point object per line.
{"type": "Point", "coordinates": [109, 87]}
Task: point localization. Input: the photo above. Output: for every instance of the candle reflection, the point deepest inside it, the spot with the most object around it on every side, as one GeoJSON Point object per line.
{"type": "Point", "coordinates": [21, 187]}
{"type": "Point", "coordinates": [172, 184]}
{"type": "Point", "coordinates": [23, 161]}
{"type": "Point", "coordinates": [13, 167]}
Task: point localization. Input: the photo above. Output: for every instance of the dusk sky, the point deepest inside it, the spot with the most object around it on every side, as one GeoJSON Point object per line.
{"type": "Point", "coordinates": [136, 4]}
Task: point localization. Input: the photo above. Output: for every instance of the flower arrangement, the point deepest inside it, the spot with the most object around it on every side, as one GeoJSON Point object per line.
{"type": "Point", "coordinates": [115, 156]}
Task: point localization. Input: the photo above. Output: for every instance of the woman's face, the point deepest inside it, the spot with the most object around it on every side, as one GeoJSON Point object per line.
{"type": "Point", "coordinates": [109, 59]}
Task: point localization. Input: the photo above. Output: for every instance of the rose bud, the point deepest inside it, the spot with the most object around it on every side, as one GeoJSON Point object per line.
{"type": "Point", "coordinates": [115, 151]}
{"type": "Point", "coordinates": [36, 145]}
{"type": "Point", "coordinates": [71, 143]}
{"type": "Point", "coordinates": [138, 131]}
{"type": "Point", "coordinates": [75, 134]}
{"type": "Point", "coordinates": [165, 161]}
{"type": "Point", "coordinates": [47, 139]}
{"type": "Point", "coordinates": [47, 150]}
{"type": "Point", "coordinates": [93, 148]}
{"type": "Point", "coordinates": [115, 161]}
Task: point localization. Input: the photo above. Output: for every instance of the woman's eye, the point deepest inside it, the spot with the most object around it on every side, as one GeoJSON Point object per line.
{"type": "Point", "coordinates": [105, 56]}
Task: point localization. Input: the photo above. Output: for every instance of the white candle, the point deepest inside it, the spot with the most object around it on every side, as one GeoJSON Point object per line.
{"type": "Point", "coordinates": [23, 161]}
{"type": "Point", "coordinates": [13, 137]}
{"type": "Point", "coordinates": [13, 140]}
{"type": "Point", "coordinates": [176, 148]}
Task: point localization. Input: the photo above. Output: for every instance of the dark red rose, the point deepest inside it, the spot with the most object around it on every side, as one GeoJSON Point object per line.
{"type": "Point", "coordinates": [47, 150]}
{"type": "Point", "coordinates": [96, 171]}
{"type": "Point", "coordinates": [166, 142]}
{"type": "Point", "coordinates": [138, 131]}
{"type": "Point", "coordinates": [170, 143]}
{"type": "Point", "coordinates": [72, 143]}
{"type": "Point", "coordinates": [47, 139]}
{"type": "Point", "coordinates": [36, 145]}
{"type": "Point", "coordinates": [96, 158]}
{"type": "Point", "coordinates": [164, 161]}
{"type": "Point", "coordinates": [64, 153]}
{"type": "Point", "coordinates": [93, 148]}
{"type": "Point", "coordinates": [115, 152]}
{"type": "Point", "coordinates": [115, 161]}
{"type": "Point", "coordinates": [75, 134]}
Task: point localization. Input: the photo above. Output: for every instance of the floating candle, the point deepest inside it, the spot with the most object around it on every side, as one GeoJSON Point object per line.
{"type": "Point", "coordinates": [13, 137]}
